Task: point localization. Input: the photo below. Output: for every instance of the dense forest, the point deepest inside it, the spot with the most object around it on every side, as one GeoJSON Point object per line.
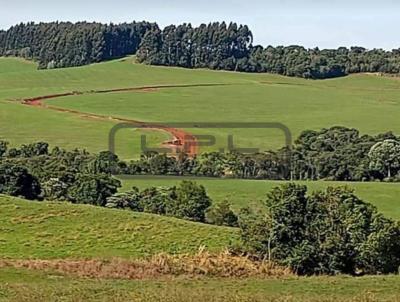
{"type": "Point", "coordinates": [66, 44]}
{"type": "Point", "coordinates": [218, 46]}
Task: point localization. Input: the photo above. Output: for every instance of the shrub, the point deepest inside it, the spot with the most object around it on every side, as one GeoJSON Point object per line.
{"type": "Point", "coordinates": [127, 200]}
{"type": "Point", "coordinates": [156, 200]}
{"type": "Point", "coordinates": [191, 202]}
{"type": "Point", "coordinates": [15, 180]}
{"type": "Point", "coordinates": [221, 214]}
{"type": "Point", "coordinates": [55, 189]}
{"type": "Point", "coordinates": [93, 189]}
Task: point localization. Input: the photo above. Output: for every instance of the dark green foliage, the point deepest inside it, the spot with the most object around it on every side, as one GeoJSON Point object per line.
{"type": "Point", "coordinates": [218, 46]}
{"type": "Point", "coordinates": [191, 202]}
{"type": "Point", "coordinates": [127, 200]}
{"type": "Point", "coordinates": [385, 157]}
{"type": "Point", "coordinates": [215, 45]}
{"type": "Point", "coordinates": [187, 201]}
{"type": "Point", "coordinates": [93, 189]}
{"type": "Point", "coordinates": [15, 180]}
{"type": "Point", "coordinates": [328, 232]}
{"type": "Point", "coordinates": [64, 44]}
{"type": "Point", "coordinates": [222, 214]}
{"type": "Point", "coordinates": [76, 176]}
{"type": "Point", "coordinates": [337, 153]}
{"type": "Point", "coordinates": [156, 200]}
{"type": "Point", "coordinates": [105, 162]}
{"type": "Point", "coordinates": [3, 148]}
{"type": "Point", "coordinates": [55, 189]}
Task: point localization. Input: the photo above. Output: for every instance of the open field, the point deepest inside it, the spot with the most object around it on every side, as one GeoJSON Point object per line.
{"type": "Point", "coordinates": [23, 286]}
{"type": "Point", "coordinates": [300, 104]}
{"type": "Point", "coordinates": [241, 193]}
{"type": "Point", "coordinates": [58, 230]}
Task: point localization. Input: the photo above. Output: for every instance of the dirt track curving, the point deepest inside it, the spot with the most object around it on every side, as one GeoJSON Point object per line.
{"type": "Point", "coordinates": [182, 141]}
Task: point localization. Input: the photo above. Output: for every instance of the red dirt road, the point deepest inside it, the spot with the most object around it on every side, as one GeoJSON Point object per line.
{"type": "Point", "coordinates": [182, 141]}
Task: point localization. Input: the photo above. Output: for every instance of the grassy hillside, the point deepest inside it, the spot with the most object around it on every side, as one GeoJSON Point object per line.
{"type": "Point", "coordinates": [22, 285]}
{"type": "Point", "coordinates": [58, 230]}
{"type": "Point", "coordinates": [242, 193]}
{"type": "Point", "coordinates": [354, 101]}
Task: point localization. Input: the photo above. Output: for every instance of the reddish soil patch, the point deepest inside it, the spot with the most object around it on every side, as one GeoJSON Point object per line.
{"type": "Point", "coordinates": [182, 141]}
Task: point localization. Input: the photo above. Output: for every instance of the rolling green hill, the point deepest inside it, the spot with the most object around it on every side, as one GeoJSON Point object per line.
{"type": "Point", "coordinates": [34, 230]}
{"type": "Point", "coordinates": [367, 102]}
{"type": "Point", "coordinates": [42, 230]}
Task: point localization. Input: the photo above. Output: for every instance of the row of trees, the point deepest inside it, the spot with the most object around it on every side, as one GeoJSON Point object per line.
{"type": "Point", "coordinates": [65, 44]}
{"type": "Point", "coordinates": [326, 232]}
{"type": "Point", "coordinates": [34, 172]}
{"type": "Point", "coordinates": [229, 47]}
{"type": "Point", "coordinates": [215, 45]}
{"type": "Point", "coordinates": [187, 201]}
{"type": "Point", "coordinates": [337, 153]}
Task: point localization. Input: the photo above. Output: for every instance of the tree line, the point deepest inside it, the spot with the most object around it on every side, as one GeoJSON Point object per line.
{"type": "Point", "coordinates": [215, 45]}
{"type": "Point", "coordinates": [35, 172]}
{"type": "Point", "coordinates": [337, 153]}
{"type": "Point", "coordinates": [65, 44]}
{"type": "Point", "coordinates": [230, 47]}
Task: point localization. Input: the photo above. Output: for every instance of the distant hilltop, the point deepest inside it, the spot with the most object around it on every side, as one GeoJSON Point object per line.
{"type": "Point", "coordinates": [219, 46]}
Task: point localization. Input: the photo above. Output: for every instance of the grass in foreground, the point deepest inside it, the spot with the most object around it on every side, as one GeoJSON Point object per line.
{"type": "Point", "coordinates": [59, 230]}
{"type": "Point", "coordinates": [25, 285]}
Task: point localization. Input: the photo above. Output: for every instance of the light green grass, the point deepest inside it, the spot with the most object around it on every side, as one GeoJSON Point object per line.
{"type": "Point", "coordinates": [22, 285]}
{"type": "Point", "coordinates": [242, 193]}
{"type": "Point", "coordinates": [59, 230]}
{"type": "Point", "coordinates": [366, 102]}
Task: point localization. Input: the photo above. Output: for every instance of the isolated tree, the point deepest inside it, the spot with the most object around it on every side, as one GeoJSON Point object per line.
{"type": "Point", "coordinates": [385, 157]}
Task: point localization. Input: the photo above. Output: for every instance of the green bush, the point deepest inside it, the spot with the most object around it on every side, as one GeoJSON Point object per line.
{"type": "Point", "coordinates": [191, 202]}
{"type": "Point", "coordinates": [329, 232]}
{"type": "Point", "coordinates": [127, 200]}
{"type": "Point", "coordinates": [93, 189]}
{"type": "Point", "coordinates": [156, 200]}
{"type": "Point", "coordinates": [222, 214]}
{"type": "Point", "coordinates": [15, 180]}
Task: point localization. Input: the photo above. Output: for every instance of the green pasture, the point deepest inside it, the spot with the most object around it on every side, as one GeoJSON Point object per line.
{"type": "Point", "coordinates": [43, 230]}
{"type": "Point", "coordinates": [242, 193]}
{"type": "Point", "coordinates": [367, 102]}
